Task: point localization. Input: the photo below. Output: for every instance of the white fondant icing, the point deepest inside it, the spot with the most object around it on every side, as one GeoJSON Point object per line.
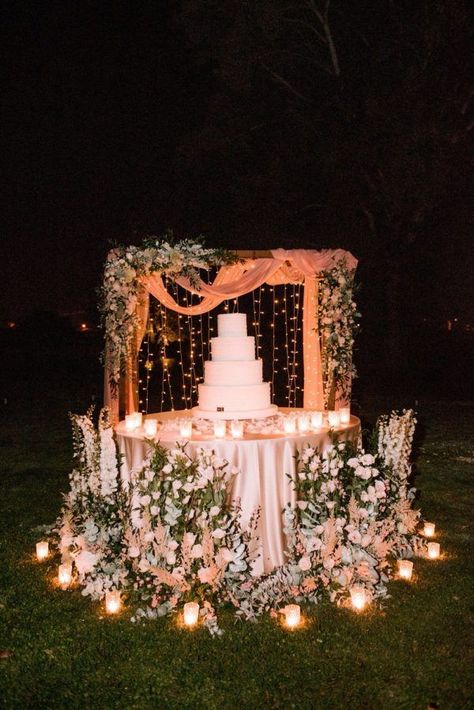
{"type": "Point", "coordinates": [231, 325]}
{"type": "Point", "coordinates": [234, 397]}
{"type": "Point", "coordinates": [225, 372]}
{"type": "Point", "coordinates": [236, 348]}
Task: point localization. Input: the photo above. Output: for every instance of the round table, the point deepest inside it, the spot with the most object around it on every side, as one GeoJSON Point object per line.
{"type": "Point", "coordinates": [266, 465]}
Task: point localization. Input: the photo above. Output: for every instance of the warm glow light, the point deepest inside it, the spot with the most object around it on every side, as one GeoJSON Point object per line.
{"type": "Point", "coordinates": [316, 420]}
{"type": "Point", "coordinates": [429, 529]}
{"type": "Point", "coordinates": [65, 575]}
{"type": "Point", "coordinates": [358, 598]}
{"type": "Point", "coordinates": [186, 428]}
{"type": "Point", "coordinates": [219, 428]}
{"type": "Point", "coordinates": [433, 550]}
{"type": "Point", "coordinates": [191, 613]}
{"type": "Point", "coordinates": [289, 425]}
{"type": "Point", "coordinates": [133, 421]}
{"type": "Point", "coordinates": [237, 429]}
{"type": "Point", "coordinates": [334, 419]}
{"type": "Point", "coordinates": [83, 326]}
{"type": "Point", "coordinates": [303, 423]}
{"type": "Point", "coordinates": [113, 602]}
{"type": "Point", "coordinates": [405, 569]}
{"type": "Point", "coordinates": [42, 550]}
{"type": "Point", "coordinates": [345, 415]}
{"type": "Point", "coordinates": [292, 615]}
{"type": "Point", "coordinates": [150, 426]}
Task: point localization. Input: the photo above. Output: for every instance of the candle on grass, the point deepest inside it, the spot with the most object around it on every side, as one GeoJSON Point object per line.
{"type": "Point", "coordinates": [219, 428]}
{"type": "Point", "coordinates": [186, 428]}
{"type": "Point", "coordinates": [405, 569]}
{"type": "Point", "coordinates": [433, 550]}
{"type": "Point", "coordinates": [429, 529]}
{"type": "Point", "coordinates": [316, 420]}
{"type": "Point", "coordinates": [289, 425]}
{"type": "Point", "coordinates": [65, 575]}
{"type": "Point", "coordinates": [150, 427]}
{"type": "Point", "coordinates": [303, 423]}
{"type": "Point", "coordinates": [292, 615]}
{"type": "Point", "coordinates": [345, 415]}
{"type": "Point", "coordinates": [334, 419]}
{"type": "Point", "coordinates": [358, 597]}
{"type": "Point", "coordinates": [191, 613]}
{"type": "Point", "coordinates": [237, 429]}
{"type": "Point", "coordinates": [113, 602]}
{"type": "Point", "coordinates": [42, 549]}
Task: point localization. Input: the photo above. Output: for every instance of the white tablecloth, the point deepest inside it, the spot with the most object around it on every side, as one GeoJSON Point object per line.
{"type": "Point", "coordinates": [266, 464]}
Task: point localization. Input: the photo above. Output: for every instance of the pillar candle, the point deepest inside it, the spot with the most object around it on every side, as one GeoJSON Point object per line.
{"type": "Point", "coordinates": [292, 615]}
{"type": "Point", "coordinates": [345, 415]}
{"type": "Point", "coordinates": [405, 569]}
{"type": "Point", "coordinates": [429, 529]}
{"type": "Point", "coordinates": [316, 420]}
{"type": "Point", "coordinates": [65, 575]}
{"type": "Point", "coordinates": [113, 602]}
{"type": "Point", "coordinates": [191, 613]}
{"type": "Point", "coordinates": [186, 428]}
{"type": "Point", "coordinates": [289, 425]}
{"type": "Point", "coordinates": [433, 550]}
{"type": "Point", "coordinates": [150, 426]}
{"type": "Point", "coordinates": [334, 419]}
{"type": "Point", "coordinates": [303, 423]}
{"type": "Point", "coordinates": [237, 429]}
{"type": "Point", "coordinates": [358, 597]}
{"type": "Point", "coordinates": [219, 428]}
{"type": "Point", "coordinates": [42, 550]}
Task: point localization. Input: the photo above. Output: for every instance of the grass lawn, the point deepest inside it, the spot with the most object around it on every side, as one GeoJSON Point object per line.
{"type": "Point", "coordinates": [57, 649]}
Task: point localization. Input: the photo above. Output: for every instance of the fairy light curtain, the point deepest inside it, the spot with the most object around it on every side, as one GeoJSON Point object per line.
{"type": "Point", "coordinates": [297, 266]}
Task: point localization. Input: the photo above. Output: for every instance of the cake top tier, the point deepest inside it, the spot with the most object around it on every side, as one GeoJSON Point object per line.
{"type": "Point", "coordinates": [232, 325]}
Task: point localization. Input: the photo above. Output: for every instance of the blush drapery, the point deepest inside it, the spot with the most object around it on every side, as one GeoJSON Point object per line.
{"type": "Point", "coordinates": [286, 266]}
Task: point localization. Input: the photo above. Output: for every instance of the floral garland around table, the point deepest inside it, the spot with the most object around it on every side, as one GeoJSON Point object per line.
{"type": "Point", "coordinates": [121, 288]}
{"type": "Point", "coordinates": [338, 325]}
{"type": "Point", "coordinates": [171, 535]}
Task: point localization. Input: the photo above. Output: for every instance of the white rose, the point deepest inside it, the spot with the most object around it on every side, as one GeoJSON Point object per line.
{"type": "Point", "coordinates": [304, 564]}
{"type": "Point", "coordinates": [145, 500]}
{"type": "Point", "coordinates": [149, 536]}
{"type": "Point", "coordinates": [134, 551]}
{"type": "Point", "coordinates": [189, 538]}
{"type": "Point", "coordinates": [226, 554]}
{"type": "Point", "coordinates": [196, 551]}
{"type": "Point", "coordinates": [219, 533]}
{"type": "Point", "coordinates": [154, 510]}
{"type": "Point", "coordinates": [167, 468]}
{"type": "Point", "coordinates": [171, 558]}
{"type": "Point", "coordinates": [215, 510]}
{"type": "Point", "coordinates": [302, 504]}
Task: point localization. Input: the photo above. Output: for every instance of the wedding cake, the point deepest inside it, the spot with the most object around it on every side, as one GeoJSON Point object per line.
{"type": "Point", "coordinates": [233, 386]}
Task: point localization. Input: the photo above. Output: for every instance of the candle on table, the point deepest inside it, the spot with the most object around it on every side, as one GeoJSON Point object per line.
{"type": "Point", "coordinates": [113, 602]}
{"type": "Point", "coordinates": [292, 615]}
{"type": "Point", "coordinates": [345, 415]}
{"type": "Point", "coordinates": [429, 529]}
{"type": "Point", "coordinates": [237, 429]}
{"type": "Point", "coordinates": [186, 428]}
{"type": "Point", "coordinates": [358, 598]}
{"type": "Point", "coordinates": [150, 426]}
{"type": "Point", "coordinates": [289, 425]}
{"type": "Point", "coordinates": [219, 428]}
{"type": "Point", "coordinates": [334, 419]}
{"type": "Point", "coordinates": [65, 575]}
{"type": "Point", "coordinates": [303, 423]}
{"type": "Point", "coordinates": [42, 549]}
{"type": "Point", "coordinates": [405, 569]}
{"type": "Point", "coordinates": [433, 550]}
{"type": "Point", "coordinates": [133, 421]}
{"type": "Point", "coordinates": [316, 420]}
{"type": "Point", "coordinates": [191, 613]}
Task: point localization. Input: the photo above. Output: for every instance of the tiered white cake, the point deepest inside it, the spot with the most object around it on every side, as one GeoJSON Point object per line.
{"type": "Point", "coordinates": [233, 387]}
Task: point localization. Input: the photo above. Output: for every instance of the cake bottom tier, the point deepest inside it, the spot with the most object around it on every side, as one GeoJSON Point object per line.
{"type": "Point", "coordinates": [230, 401]}
{"type": "Point", "coordinates": [270, 411]}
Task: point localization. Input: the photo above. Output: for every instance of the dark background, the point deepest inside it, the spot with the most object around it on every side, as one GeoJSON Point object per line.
{"type": "Point", "coordinates": [259, 124]}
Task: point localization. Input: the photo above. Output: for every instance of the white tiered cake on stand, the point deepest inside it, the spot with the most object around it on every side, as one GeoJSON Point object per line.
{"type": "Point", "coordinates": [233, 386]}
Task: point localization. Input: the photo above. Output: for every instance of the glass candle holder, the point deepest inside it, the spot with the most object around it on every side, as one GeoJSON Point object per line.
{"type": "Point", "coordinates": [191, 613]}
{"type": "Point", "coordinates": [219, 428]}
{"type": "Point", "coordinates": [42, 550]}
{"type": "Point", "coordinates": [65, 575]}
{"type": "Point", "coordinates": [405, 569]}
{"type": "Point", "coordinates": [358, 597]}
{"type": "Point", "coordinates": [303, 423]}
{"type": "Point", "coordinates": [316, 420]}
{"type": "Point", "coordinates": [334, 419]}
{"type": "Point", "coordinates": [133, 421]}
{"type": "Point", "coordinates": [237, 429]}
{"type": "Point", "coordinates": [150, 427]}
{"type": "Point", "coordinates": [186, 428]}
{"type": "Point", "coordinates": [292, 615]}
{"type": "Point", "coordinates": [113, 602]}
{"type": "Point", "coordinates": [433, 550]}
{"type": "Point", "coordinates": [289, 425]}
{"type": "Point", "coordinates": [345, 415]}
{"type": "Point", "coordinates": [429, 529]}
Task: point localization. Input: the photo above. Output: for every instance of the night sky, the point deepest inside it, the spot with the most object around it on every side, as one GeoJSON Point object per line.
{"type": "Point", "coordinates": [126, 118]}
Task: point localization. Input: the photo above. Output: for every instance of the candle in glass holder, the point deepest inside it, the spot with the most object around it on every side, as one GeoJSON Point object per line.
{"type": "Point", "coordinates": [292, 615]}
{"type": "Point", "coordinates": [150, 427]}
{"type": "Point", "coordinates": [186, 428]}
{"type": "Point", "coordinates": [42, 549]}
{"type": "Point", "coordinates": [289, 425]}
{"type": "Point", "coordinates": [65, 575]}
{"type": "Point", "coordinates": [113, 602]}
{"type": "Point", "coordinates": [433, 550]}
{"type": "Point", "coordinates": [358, 598]}
{"type": "Point", "coordinates": [345, 415]}
{"type": "Point", "coordinates": [405, 569]}
{"type": "Point", "coordinates": [429, 529]}
{"type": "Point", "coordinates": [316, 420]}
{"type": "Point", "coordinates": [191, 613]}
{"type": "Point", "coordinates": [303, 423]}
{"type": "Point", "coordinates": [334, 419]}
{"type": "Point", "coordinates": [237, 429]}
{"type": "Point", "coordinates": [219, 428]}
{"type": "Point", "coordinates": [133, 421]}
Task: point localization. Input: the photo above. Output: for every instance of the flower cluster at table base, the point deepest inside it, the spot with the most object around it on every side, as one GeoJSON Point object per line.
{"type": "Point", "coordinates": [171, 536]}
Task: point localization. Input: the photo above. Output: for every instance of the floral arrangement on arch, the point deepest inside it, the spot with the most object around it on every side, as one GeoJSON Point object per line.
{"type": "Point", "coordinates": [338, 325]}
{"type": "Point", "coordinates": [122, 289]}
{"type": "Point", "coordinates": [171, 535]}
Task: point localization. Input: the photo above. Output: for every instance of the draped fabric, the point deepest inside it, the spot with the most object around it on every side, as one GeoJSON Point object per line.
{"type": "Point", "coordinates": [286, 266]}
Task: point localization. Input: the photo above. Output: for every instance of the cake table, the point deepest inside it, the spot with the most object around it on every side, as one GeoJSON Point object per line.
{"type": "Point", "coordinates": [266, 464]}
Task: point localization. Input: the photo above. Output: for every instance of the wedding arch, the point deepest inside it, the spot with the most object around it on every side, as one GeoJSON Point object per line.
{"type": "Point", "coordinates": [134, 273]}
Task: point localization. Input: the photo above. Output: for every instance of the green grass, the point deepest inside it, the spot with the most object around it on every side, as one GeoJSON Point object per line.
{"type": "Point", "coordinates": [60, 652]}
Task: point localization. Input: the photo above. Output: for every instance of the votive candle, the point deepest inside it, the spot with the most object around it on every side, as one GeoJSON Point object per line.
{"type": "Point", "coordinates": [405, 569]}
{"type": "Point", "coordinates": [345, 415]}
{"type": "Point", "coordinates": [191, 613]}
{"type": "Point", "coordinates": [186, 428]}
{"type": "Point", "coordinates": [65, 575]}
{"type": "Point", "coordinates": [316, 420]}
{"type": "Point", "coordinates": [429, 529]}
{"type": "Point", "coordinates": [219, 428]}
{"type": "Point", "coordinates": [113, 602]}
{"type": "Point", "coordinates": [289, 425]}
{"type": "Point", "coordinates": [303, 423]}
{"type": "Point", "coordinates": [358, 598]}
{"type": "Point", "coordinates": [237, 429]}
{"type": "Point", "coordinates": [334, 418]}
{"type": "Point", "coordinates": [150, 426]}
{"type": "Point", "coordinates": [133, 421]}
{"type": "Point", "coordinates": [42, 549]}
{"type": "Point", "coordinates": [433, 550]}
{"type": "Point", "coordinates": [292, 615]}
